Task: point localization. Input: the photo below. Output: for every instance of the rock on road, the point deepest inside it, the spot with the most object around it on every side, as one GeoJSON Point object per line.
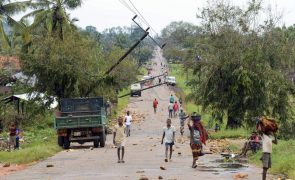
{"type": "Point", "coordinates": [144, 155]}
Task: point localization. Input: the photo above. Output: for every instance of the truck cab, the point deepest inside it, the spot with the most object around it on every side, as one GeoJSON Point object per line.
{"type": "Point", "coordinates": [170, 80]}
{"type": "Point", "coordinates": [135, 89]}
{"type": "Point", "coordinates": [81, 120]}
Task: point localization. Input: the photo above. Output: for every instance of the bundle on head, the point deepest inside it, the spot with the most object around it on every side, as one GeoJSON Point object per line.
{"type": "Point", "coordinates": [197, 123]}
{"type": "Point", "coordinates": [195, 116]}
{"type": "Point", "coordinates": [267, 125]}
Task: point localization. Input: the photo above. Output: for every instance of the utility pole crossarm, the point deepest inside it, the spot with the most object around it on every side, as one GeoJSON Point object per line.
{"type": "Point", "coordinates": [161, 46]}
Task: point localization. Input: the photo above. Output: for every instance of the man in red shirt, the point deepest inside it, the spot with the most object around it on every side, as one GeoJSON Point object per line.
{"type": "Point", "coordinates": [155, 105]}
{"type": "Point", "coordinates": [175, 108]}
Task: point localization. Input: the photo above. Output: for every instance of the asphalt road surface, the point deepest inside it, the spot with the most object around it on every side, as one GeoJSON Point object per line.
{"type": "Point", "coordinates": [144, 154]}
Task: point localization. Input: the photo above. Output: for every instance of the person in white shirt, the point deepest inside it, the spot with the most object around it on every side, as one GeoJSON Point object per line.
{"type": "Point", "coordinates": [170, 110]}
{"type": "Point", "coordinates": [128, 120]}
{"type": "Point", "coordinates": [267, 139]}
{"type": "Point", "coordinates": [169, 138]}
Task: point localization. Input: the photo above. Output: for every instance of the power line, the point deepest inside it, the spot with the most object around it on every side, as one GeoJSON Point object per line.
{"type": "Point", "coordinates": [127, 6]}
{"type": "Point", "coordinates": [135, 11]}
{"type": "Point", "coordinates": [140, 19]}
{"type": "Point", "coordinates": [146, 22]}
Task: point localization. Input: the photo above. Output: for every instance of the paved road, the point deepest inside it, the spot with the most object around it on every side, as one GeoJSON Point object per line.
{"type": "Point", "coordinates": [144, 153]}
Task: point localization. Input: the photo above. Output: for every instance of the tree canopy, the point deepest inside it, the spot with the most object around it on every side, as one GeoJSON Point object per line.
{"type": "Point", "coordinates": [241, 66]}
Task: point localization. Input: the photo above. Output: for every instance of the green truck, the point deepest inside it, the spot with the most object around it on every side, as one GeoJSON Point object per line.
{"type": "Point", "coordinates": [81, 120]}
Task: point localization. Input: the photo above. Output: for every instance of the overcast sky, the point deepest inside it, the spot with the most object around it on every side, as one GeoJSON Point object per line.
{"type": "Point", "coordinates": [110, 13]}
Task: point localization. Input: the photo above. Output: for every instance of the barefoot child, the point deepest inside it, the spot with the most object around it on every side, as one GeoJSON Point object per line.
{"type": "Point", "coordinates": [268, 137]}
{"type": "Point", "coordinates": [119, 138]}
{"type": "Point", "coordinates": [169, 138]}
{"type": "Point", "coordinates": [198, 136]}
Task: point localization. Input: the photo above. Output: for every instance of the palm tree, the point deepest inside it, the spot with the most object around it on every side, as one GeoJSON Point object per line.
{"type": "Point", "coordinates": [51, 16]}
{"type": "Point", "coordinates": [7, 9]}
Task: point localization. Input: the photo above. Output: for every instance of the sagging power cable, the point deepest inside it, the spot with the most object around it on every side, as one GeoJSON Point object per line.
{"type": "Point", "coordinates": [145, 21]}
{"type": "Point", "coordinates": [140, 18]}
{"type": "Point", "coordinates": [135, 11]}
{"type": "Point", "coordinates": [127, 6]}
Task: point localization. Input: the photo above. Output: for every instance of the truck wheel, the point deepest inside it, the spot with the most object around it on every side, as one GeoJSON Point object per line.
{"type": "Point", "coordinates": [60, 141]}
{"type": "Point", "coordinates": [95, 143]}
{"type": "Point", "coordinates": [102, 139]}
{"type": "Point", "coordinates": [67, 143]}
{"type": "Point", "coordinates": [139, 94]}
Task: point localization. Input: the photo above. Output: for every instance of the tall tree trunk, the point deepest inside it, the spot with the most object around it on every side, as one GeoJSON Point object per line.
{"type": "Point", "coordinates": [235, 118]}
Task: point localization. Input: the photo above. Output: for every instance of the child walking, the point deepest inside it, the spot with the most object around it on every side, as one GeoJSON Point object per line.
{"type": "Point", "coordinates": [119, 139]}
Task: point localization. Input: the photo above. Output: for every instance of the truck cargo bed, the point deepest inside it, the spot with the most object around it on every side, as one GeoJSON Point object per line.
{"type": "Point", "coordinates": [79, 121]}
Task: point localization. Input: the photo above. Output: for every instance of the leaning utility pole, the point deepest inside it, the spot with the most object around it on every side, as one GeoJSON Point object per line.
{"type": "Point", "coordinates": [99, 81]}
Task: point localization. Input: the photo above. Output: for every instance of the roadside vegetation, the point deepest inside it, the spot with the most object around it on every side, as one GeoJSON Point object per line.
{"type": "Point", "coordinates": [37, 145]}
{"type": "Point", "coordinates": [67, 62]}
{"type": "Point", "coordinates": [39, 141]}
{"type": "Point", "coordinates": [282, 156]}
{"type": "Point", "coordinates": [181, 75]}
{"type": "Point", "coordinates": [235, 69]}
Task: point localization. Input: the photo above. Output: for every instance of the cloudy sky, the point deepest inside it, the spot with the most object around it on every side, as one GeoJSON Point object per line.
{"type": "Point", "coordinates": [159, 13]}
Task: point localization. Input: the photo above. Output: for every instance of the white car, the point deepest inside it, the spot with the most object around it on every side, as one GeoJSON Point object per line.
{"type": "Point", "coordinates": [135, 89]}
{"type": "Point", "coordinates": [170, 80]}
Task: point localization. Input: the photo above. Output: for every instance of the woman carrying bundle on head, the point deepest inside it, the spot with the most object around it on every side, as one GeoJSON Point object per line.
{"type": "Point", "coordinates": [198, 135]}
{"type": "Point", "coordinates": [267, 128]}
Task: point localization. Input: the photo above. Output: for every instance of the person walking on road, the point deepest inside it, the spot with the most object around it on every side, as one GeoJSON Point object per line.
{"type": "Point", "coordinates": [168, 138]}
{"type": "Point", "coordinates": [119, 139]}
{"type": "Point", "coordinates": [175, 108]}
{"type": "Point", "coordinates": [198, 136]}
{"type": "Point", "coordinates": [170, 110]}
{"type": "Point", "coordinates": [182, 118]}
{"type": "Point", "coordinates": [155, 105]}
{"type": "Point", "coordinates": [267, 139]}
{"type": "Point", "coordinates": [128, 120]}
{"type": "Point", "coordinates": [171, 100]}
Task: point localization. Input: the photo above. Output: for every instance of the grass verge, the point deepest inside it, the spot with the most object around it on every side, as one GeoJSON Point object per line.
{"type": "Point", "coordinates": [38, 145]}
{"type": "Point", "coordinates": [229, 133]}
{"type": "Point", "coordinates": [178, 71]}
{"type": "Point", "coordinates": [283, 158]}
{"type": "Point", "coordinates": [123, 102]}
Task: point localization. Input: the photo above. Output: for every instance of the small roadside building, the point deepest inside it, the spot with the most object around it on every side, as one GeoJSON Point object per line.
{"type": "Point", "coordinates": [19, 100]}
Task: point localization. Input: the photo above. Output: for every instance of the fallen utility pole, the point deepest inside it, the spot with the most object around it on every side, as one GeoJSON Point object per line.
{"type": "Point", "coordinates": [143, 89]}
{"type": "Point", "coordinates": [164, 74]}
{"type": "Point", "coordinates": [117, 63]}
{"type": "Point", "coordinates": [128, 52]}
